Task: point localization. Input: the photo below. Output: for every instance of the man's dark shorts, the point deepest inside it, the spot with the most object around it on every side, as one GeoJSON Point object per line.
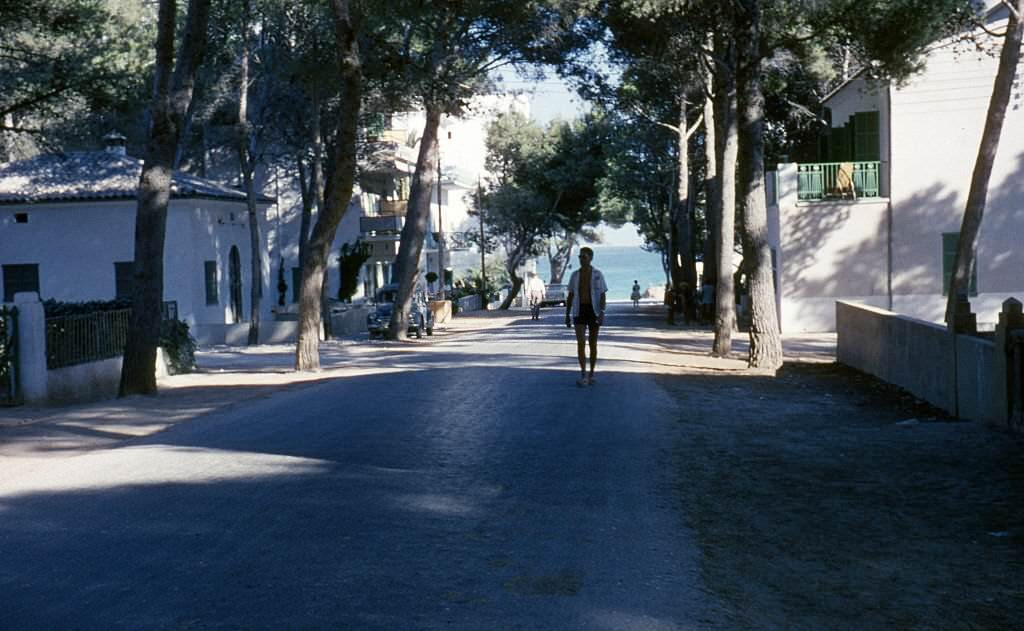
{"type": "Point", "coordinates": [587, 317]}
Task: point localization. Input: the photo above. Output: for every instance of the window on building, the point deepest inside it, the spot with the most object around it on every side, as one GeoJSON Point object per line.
{"type": "Point", "coordinates": [124, 273]}
{"type": "Point", "coordinates": [20, 217]}
{"type": "Point", "coordinates": [19, 278]}
{"type": "Point", "coordinates": [950, 240]}
{"type": "Point", "coordinates": [210, 273]}
{"type": "Point", "coordinates": [296, 283]}
{"type": "Point", "coordinates": [866, 146]}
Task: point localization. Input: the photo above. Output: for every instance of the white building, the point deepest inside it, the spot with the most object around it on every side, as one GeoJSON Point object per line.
{"type": "Point", "coordinates": [878, 219]}
{"type": "Point", "coordinates": [67, 226]}
{"type": "Point", "coordinates": [463, 151]}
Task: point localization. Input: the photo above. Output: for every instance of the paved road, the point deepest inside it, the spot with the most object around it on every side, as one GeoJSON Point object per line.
{"type": "Point", "coordinates": [464, 483]}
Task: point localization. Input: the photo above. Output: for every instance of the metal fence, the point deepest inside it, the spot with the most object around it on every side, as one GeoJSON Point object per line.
{"type": "Point", "coordinates": [838, 180]}
{"type": "Point", "coordinates": [8, 355]}
{"type": "Point", "coordinates": [79, 339]}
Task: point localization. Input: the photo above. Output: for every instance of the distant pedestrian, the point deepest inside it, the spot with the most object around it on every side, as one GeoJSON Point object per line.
{"type": "Point", "coordinates": [584, 310]}
{"type": "Point", "coordinates": [670, 304]}
{"type": "Point", "coordinates": [635, 296]}
{"type": "Point", "coordinates": [707, 302]}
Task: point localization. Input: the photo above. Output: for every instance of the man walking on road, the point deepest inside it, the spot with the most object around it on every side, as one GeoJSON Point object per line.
{"type": "Point", "coordinates": [585, 306]}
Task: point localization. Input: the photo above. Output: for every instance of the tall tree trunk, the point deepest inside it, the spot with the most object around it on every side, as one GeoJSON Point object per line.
{"type": "Point", "coordinates": [171, 97]}
{"type": "Point", "coordinates": [186, 131]}
{"type": "Point", "coordinates": [683, 225]}
{"type": "Point", "coordinates": [558, 260]}
{"type": "Point", "coordinates": [407, 263]}
{"type": "Point", "coordinates": [247, 163]}
{"type": "Point", "coordinates": [512, 263]}
{"type": "Point", "coordinates": [340, 182]}
{"type": "Point", "coordinates": [977, 196]}
{"type": "Point", "coordinates": [690, 267]}
{"type": "Point", "coordinates": [306, 192]}
{"type": "Point", "coordinates": [765, 338]}
{"type": "Point", "coordinates": [725, 212]}
{"type": "Point", "coordinates": [710, 254]}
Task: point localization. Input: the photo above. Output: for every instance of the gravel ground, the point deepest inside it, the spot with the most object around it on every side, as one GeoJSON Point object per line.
{"type": "Point", "coordinates": [825, 499]}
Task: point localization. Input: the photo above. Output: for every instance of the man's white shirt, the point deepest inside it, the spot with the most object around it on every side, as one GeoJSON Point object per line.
{"type": "Point", "coordinates": [597, 288]}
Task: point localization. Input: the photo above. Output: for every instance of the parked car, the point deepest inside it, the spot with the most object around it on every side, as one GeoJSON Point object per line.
{"type": "Point", "coordinates": [421, 318]}
{"type": "Point", "coordinates": [555, 295]}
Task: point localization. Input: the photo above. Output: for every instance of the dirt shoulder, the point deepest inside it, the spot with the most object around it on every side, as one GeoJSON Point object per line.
{"type": "Point", "coordinates": [825, 499]}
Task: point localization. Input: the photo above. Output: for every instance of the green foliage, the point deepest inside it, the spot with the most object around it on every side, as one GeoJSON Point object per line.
{"type": "Point", "coordinates": [6, 353]}
{"type": "Point", "coordinates": [545, 181]}
{"type": "Point", "coordinates": [71, 70]}
{"type": "Point", "coordinates": [443, 52]}
{"type": "Point", "coordinates": [282, 284]}
{"type": "Point", "coordinates": [471, 284]}
{"type": "Point", "coordinates": [640, 179]}
{"type": "Point", "coordinates": [179, 346]}
{"type": "Point", "coordinates": [53, 308]}
{"type": "Point", "coordinates": [350, 261]}
{"type": "Point", "coordinates": [887, 38]}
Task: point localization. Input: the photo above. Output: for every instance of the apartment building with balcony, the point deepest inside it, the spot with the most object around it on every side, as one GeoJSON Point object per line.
{"type": "Point", "coordinates": [877, 218]}
{"type": "Point", "coordinates": [388, 173]}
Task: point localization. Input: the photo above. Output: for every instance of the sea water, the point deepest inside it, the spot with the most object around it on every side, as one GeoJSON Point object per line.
{"type": "Point", "coordinates": [621, 265]}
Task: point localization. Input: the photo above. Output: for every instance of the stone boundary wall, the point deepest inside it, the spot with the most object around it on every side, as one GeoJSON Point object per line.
{"type": "Point", "coordinates": [470, 303]}
{"type": "Point", "coordinates": [272, 332]}
{"type": "Point", "coordinates": [351, 321]}
{"type": "Point", "coordinates": [91, 381]}
{"type": "Point", "coordinates": [975, 373]}
{"type": "Point", "coordinates": [919, 357]}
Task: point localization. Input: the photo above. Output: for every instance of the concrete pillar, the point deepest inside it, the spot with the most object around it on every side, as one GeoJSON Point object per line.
{"type": "Point", "coordinates": [964, 321]}
{"type": "Point", "coordinates": [787, 192]}
{"type": "Point", "coordinates": [31, 347]}
{"type": "Point", "coordinates": [1011, 319]}
{"type": "Point", "coordinates": [787, 183]}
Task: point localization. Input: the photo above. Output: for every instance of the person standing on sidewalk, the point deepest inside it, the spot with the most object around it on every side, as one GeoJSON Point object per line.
{"type": "Point", "coordinates": [584, 310]}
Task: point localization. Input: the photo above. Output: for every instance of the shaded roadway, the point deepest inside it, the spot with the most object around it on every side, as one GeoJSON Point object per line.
{"type": "Point", "coordinates": [464, 483]}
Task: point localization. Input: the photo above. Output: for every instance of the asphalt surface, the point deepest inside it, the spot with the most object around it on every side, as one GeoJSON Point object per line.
{"type": "Point", "coordinates": [461, 482]}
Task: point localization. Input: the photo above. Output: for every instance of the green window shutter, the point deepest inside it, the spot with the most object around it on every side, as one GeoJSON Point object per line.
{"type": "Point", "coordinates": [839, 145]}
{"type": "Point", "coordinates": [210, 274]}
{"type": "Point", "coordinates": [950, 240]}
{"type": "Point", "coordinates": [865, 137]}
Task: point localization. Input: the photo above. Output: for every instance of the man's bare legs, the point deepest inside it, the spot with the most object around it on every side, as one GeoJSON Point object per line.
{"type": "Point", "coordinates": [581, 344]}
{"type": "Point", "coordinates": [581, 353]}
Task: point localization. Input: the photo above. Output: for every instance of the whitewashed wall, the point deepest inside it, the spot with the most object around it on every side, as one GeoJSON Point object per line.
{"type": "Point", "coordinates": [931, 131]}
{"type": "Point", "coordinates": [76, 245]}
{"type": "Point", "coordinates": [826, 251]}
{"type": "Point", "coordinates": [937, 123]}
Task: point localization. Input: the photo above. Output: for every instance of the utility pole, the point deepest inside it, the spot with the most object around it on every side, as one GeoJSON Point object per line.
{"type": "Point", "coordinates": [483, 243]}
{"type": "Point", "coordinates": [442, 249]}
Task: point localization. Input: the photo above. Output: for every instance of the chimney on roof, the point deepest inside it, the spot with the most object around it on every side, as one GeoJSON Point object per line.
{"type": "Point", "coordinates": [114, 143]}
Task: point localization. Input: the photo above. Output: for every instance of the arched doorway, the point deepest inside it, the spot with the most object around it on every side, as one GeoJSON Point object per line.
{"type": "Point", "coordinates": [235, 283]}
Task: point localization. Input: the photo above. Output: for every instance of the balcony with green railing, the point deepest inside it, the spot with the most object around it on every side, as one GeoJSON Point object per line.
{"type": "Point", "coordinates": [827, 181]}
